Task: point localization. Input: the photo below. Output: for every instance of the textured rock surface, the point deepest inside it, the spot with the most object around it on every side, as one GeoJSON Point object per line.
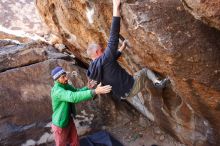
{"type": "Point", "coordinates": [206, 10]}
{"type": "Point", "coordinates": [167, 39]}
{"type": "Point", "coordinates": [20, 16]}
{"type": "Point", "coordinates": [25, 82]}
{"type": "Point", "coordinates": [7, 36]}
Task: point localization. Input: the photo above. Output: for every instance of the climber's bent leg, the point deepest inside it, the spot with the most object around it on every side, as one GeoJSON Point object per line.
{"type": "Point", "coordinates": [139, 82]}
{"type": "Point", "coordinates": [140, 79]}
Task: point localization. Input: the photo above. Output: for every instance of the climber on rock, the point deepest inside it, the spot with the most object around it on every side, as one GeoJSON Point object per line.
{"type": "Point", "coordinates": [104, 67]}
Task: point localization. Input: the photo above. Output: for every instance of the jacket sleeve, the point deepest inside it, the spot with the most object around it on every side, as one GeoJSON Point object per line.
{"type": "Point", "coordinates": [83, 89]}
{"type": "Point", "coordinates": [77, 89]}
{"type": "Point", "coordinates": [71, 96]}
{"type": "Point", "coordinates": [112, 47]}
{"type": "Point", "coordinates": [70, 87]}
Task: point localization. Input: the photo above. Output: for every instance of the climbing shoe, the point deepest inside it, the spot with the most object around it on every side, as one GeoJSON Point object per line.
{"type": "Point", "coordinates": [162, 83]}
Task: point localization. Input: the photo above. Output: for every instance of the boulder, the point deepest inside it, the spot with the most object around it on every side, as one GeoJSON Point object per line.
{"type": "Point", "coordinates": [205, 10]}
{"type": "Point", "coordinates": [163, 37]}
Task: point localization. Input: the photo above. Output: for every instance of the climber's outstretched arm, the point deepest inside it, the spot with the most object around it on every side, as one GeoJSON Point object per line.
{"type": "Point", "coordinates": [112, 47]}
{"type": "Point", "coordinates": [116, 8]}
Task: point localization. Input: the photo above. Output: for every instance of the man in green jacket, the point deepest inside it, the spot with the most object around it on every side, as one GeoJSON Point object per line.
{"type": "Point", "coordinates": [64, 97]}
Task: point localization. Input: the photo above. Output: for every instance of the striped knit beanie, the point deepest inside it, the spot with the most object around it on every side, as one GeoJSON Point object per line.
{"type": "Point", "coordinates": [57, 72]}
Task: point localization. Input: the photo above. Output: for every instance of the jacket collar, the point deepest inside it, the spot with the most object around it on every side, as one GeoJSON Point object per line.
{"type": "Point", "coordinates": [59, 84]}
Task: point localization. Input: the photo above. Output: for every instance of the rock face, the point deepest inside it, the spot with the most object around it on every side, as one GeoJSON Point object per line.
{"type": "Point", "coordinates": [206, 10]}
{"type": "Point", "coordinates": [25, 82]}
{"type": "Point", "coordinates": [165, 38]}
{"type": "Point", "coordinates": [20, 17]}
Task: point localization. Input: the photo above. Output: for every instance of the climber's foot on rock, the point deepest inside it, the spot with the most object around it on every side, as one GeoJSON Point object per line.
{"type": "Point", "coordinates": [162, 83]}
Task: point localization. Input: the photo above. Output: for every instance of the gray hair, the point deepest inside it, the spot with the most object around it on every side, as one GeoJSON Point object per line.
{"type": "Point", "coordinates": [92, 48]}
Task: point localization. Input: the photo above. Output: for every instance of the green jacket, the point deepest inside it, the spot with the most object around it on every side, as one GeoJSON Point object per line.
{"type": "Point", "coordinates": [64, 98]}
